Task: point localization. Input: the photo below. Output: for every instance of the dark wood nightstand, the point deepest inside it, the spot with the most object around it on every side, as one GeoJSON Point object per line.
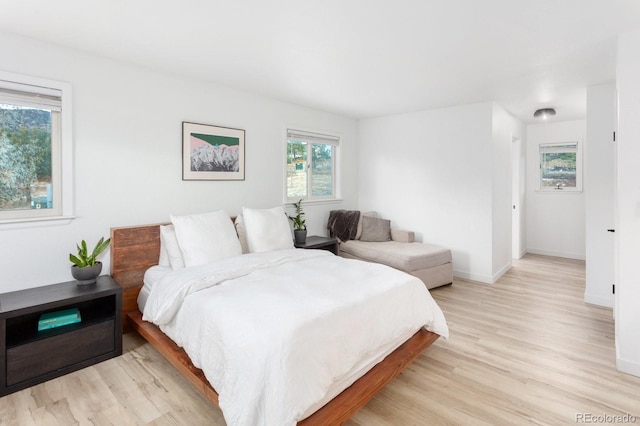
{"type": "Point", "coordinates": [321, 243]}
{"type": "Point", "coordinates": [29, 356]}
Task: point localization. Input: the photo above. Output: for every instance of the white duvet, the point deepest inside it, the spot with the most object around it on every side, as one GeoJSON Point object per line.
{"type": "Point", "coordinates": [275, 332]}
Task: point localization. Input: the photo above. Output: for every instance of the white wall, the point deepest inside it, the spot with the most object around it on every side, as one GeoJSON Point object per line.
{"type": "Point", "coordinates": [127, 136]}
{"type": "Point", "coordinates": [628, 206]}
{"type": "Point", "coordinates": [599, 189]}
{"type": "Point", "coordinates": [444, 173]}
{"type": "Point", "coordinates": [555, 220]}
{"type": "Point", "coordinates": [518, 193]}
{"type": "Point", "coordinates": [505, 128]}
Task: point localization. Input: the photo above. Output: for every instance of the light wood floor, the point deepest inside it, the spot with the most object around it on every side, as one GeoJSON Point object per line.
{"type": "Point", "coordinates": [526, 350]}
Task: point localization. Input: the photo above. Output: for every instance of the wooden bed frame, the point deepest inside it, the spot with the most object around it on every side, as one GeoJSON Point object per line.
{"type": "Point", "coordinates": [136, 248]}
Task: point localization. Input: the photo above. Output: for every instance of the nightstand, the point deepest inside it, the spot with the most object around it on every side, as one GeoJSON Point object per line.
{"type": "Point", "coordinates": [321, 243]}
{"type": "Point", "coordinates": [29, 356]}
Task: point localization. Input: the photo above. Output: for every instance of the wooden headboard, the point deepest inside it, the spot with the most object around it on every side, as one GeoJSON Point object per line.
{"type": "Point", "coordinates": [134, 249]}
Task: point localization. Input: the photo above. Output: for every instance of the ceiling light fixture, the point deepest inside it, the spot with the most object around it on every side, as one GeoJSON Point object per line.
{"type": "Point", "coordinates": [544, 113]}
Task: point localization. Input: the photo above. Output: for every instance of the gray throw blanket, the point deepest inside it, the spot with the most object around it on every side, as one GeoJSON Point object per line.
{"type": "Point", "coordinates": [343, 224]}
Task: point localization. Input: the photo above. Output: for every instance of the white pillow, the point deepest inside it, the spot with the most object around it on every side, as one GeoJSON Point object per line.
{"type": "Point", "coordinates": [163, 259]}
{"type": "Point", "coordinates": [242, 234]}
{"type": "Point", "coordinates": [169, 244]}
{"type": "Point", "coordinates": [267, 229]}
{"type": "Point", "coordinates": [206, 237]}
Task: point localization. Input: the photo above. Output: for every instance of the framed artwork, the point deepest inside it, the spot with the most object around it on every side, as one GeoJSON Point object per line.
{"type": "Point", "coordinates": [212, 152]}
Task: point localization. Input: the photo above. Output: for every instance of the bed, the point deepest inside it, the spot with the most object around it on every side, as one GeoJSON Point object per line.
{"type": "Point", "coordinates": [136, 250]}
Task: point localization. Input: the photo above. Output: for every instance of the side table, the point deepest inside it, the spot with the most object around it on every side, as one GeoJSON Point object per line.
{"type": "Point", "coordinates": [29, 356]}
{"type": "Point", "coordinates": [321, 243]}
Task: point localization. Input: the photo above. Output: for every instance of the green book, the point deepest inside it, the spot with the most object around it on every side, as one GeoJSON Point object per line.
{"type": "Point", "coordinates": [58, 318]}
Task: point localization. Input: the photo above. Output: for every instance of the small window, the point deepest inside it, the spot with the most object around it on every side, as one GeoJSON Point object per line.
{"type": "Point", "coordinates": [31, 151]}
{"type": "Point", "coordinates": [560, 167]}
{"type": "Point", "coordinates": [311, 165]}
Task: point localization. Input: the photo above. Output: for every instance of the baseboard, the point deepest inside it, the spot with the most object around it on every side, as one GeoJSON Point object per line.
{"type": "Point", "coordinates": [487, 279]}
{"type": "Point", "coordinates": [519, 255]}
{"type": "Point", "coordinates": [556, 254]}
{"type": "Point", "coordinates": [628, 367]}
{"type": "Point", "coordinates": [596, 299]}
{"type": "Point", "coordinates": [501, 272]}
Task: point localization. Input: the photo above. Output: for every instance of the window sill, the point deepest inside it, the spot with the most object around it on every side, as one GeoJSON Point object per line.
{"type": "Point", "coordinates": [315, 202]}
{"type": "Point", "coordinates": [559, 191]}
{"type": "Point", "coordinates": [35, 222]}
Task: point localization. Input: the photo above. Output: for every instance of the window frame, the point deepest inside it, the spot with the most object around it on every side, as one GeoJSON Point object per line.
{"type": "Point", "coordinates": [311, 137]}
{"type": "Point", "coordinates": [557, 147]}
{"type": "Point", "coordinates": [62, 153]}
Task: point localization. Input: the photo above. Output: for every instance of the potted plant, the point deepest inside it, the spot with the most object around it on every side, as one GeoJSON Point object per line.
{"type": "Point", "coordinates": [86, 268]}
{"type": "Point", "coordinates": [299, 227]}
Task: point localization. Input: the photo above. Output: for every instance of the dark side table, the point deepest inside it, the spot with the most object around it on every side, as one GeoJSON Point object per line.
{"type": "Point", "coordinates": [321, 243]}
{"type": "Point", "coordinates": [29, 356]}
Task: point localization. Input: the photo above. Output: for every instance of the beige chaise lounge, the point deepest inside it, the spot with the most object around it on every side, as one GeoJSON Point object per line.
{"type": "Point", "coordinates": [431, 263]}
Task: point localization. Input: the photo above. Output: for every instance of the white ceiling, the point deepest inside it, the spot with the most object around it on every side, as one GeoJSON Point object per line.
{"type": "Point", "coordinates": [355, 57]}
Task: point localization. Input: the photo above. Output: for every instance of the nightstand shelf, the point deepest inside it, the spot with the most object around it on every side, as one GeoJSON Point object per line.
{"type": "Point", "coordinates": [322, 243]}
{"type": "Point", "coordinates": [29, 356]}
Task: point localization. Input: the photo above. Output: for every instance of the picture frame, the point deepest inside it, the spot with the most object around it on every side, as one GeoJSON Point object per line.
{"type": "Point", "coordinates": [212, 152]}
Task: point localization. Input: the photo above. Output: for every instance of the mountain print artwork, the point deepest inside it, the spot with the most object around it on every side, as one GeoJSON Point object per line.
{"type": "Point", "coordinates": [214, 153]}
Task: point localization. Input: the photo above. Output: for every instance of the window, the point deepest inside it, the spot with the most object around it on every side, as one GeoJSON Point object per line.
{"type": "Point", "coordinates": [34, 144]}
{"type": "Point", "coordinates": [560, 167]}
{"type": "Point", "coordinates": [311, 165]}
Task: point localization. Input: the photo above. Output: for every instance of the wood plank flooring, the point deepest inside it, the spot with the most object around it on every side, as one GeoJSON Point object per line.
{"type": "Point", "coordinates": [526, 350]}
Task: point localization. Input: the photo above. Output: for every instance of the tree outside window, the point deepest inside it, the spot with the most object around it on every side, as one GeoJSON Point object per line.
{"type": "Point", "coordinates": [25, 158]}
{"type": "Point", "coordinates": [311, 160]}
{"type": "Point", "coordinates": [560, 167]}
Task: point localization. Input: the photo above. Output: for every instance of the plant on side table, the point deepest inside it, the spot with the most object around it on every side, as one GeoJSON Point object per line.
{"type": "Point", "coordinates": [86, 268]}
{"type": "Point", "coordinates": [299, 227]}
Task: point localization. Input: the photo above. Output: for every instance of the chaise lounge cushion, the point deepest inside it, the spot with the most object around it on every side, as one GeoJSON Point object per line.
{"type": "Point", "coordinates": [375, 229]}
{"type": "Point", "coordinates": [404, 256]}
